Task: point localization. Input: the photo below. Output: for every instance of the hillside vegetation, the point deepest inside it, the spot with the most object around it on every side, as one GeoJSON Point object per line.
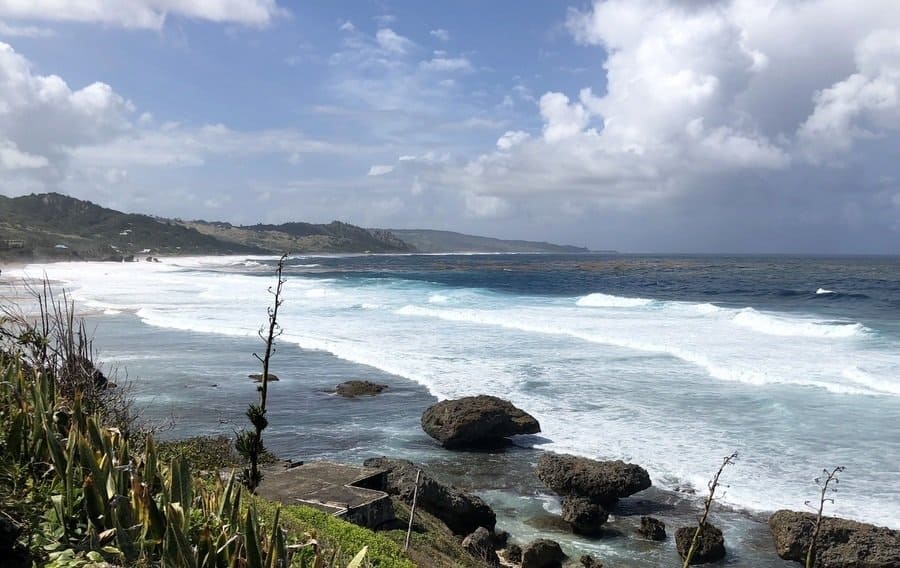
{"type": "Point", "coordinates": [335, 237]}
{"type": "Point", "coordinates": [427, 240]}
{"type": "Point", "coordinates": [52, 225]}
{"type": "Point", "coordinates": [55, 226]}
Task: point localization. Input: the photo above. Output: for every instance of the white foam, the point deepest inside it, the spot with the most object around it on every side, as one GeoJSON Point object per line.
{"type": "Point", "coordinates": [821, 291]}
{"type": "Point", "coordinates": [598, 300]}
{"type": "Point", "coordinates": [577, 370]}
{"type": "Point", "coordinates": [438, 299]}
{"type": "Point", "coordinates": [792, 327]}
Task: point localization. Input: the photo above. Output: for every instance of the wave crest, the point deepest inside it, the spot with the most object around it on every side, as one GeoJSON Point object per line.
{"type": "Point", "coordinates": [598, 300]}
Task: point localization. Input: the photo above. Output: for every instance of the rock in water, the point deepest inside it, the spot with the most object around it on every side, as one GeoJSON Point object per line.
{"type": "Point", "coordinates": [257, 377]}
{"type": "Point", "coordinates": [603, 482]}
{"type": "Point", "coordinates": [352, 389]}
{"type": "Point", "coordinates": [652, 528]}
{"type": "Point", "coordinates": [461, 512]}
{"type": "Point", "coordinates": [585, 516]}
{"type": "Point", "coordinates": [480, 544]}
{"type": "Point", "coordinates": [589, 561]}
{"type": "Point", "coordinates": [710, 544]}
{"type": "Point", "coordinates": [841, 542]}
{"type": "Point", "coordinates": [542, 553]}
{"type": "Point", "coordinates": [476, 421]}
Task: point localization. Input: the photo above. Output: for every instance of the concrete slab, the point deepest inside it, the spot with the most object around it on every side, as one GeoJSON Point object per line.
{"type": "Point", "coordinates": [346, 491]}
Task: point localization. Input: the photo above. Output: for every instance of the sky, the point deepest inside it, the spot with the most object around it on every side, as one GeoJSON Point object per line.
{"type": "Point", "coordinates": [712, 126]}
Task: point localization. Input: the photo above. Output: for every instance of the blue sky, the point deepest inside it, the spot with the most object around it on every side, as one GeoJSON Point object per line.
{"type": "Point", "coordinates": [646, 125]}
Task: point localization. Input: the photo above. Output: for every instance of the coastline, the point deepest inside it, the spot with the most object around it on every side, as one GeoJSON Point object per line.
{"type": "Point", "coordinates": [388, 424]}
{"type": "Point", "coordinates": [373, 426]}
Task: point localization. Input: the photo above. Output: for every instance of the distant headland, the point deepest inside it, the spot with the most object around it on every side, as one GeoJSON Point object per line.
{"type": "Point", "coordinates": [56, 226]}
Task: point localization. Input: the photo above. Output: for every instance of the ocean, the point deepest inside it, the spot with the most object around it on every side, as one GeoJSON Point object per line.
{"type": "Point", "coordinates": [671, 362]}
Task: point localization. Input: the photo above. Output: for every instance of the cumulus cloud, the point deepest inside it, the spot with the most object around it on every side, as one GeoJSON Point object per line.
{"type": "Point", "coordinates": [41, 116]}
{"type": "Point", "coordinates": [11, 158]}
{"type": "Point", "coordinates": [148, 14]}
{"type": "Point", "coordinates": [702, 98]}
{"type": "Point", "coordinates": [864, 105]}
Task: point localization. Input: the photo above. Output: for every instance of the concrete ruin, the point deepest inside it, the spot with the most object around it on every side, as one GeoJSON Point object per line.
{"type": "Point", "coordinates": [349, 492]}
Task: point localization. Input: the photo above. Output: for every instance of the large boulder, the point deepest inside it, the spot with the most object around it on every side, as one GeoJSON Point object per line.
{"type": "Point", "coordinates": [585, 516]}
{"type": "Point", "coordinates": [461, 512]}
{"type": "Point", "coordinates": [841, 542]}
{"type": "Point", "coordinates": [542, 553]}
{"type": "Point", "coordinates": [476, 421]}
{"type": "Point", "coordinates": [710, 544]}
{"type": "Point", "coordinates": [480, 544]}
{"type": "Point", "coordinates": [603, 482]}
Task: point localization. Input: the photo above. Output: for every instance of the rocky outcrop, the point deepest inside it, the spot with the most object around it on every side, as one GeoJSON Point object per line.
{"type": "Point", "coordinates": [585, 516]}
{"type": "Point", "coordinates": [710, 544]}
{"type": "Point", "coordinates": [841, 542]}
{"type": "Point", "coordinates": [514, 553]}
{"type": "Point", "coordinates": [476, 421]}
{"type": "Point", "coordinates": [542, 553]}
{"type": "Point", "coordinates": [589, 561]}
{"type": "Point", "coordinates": [480, 544]}
{"type": "Point", "coordinates": [461, 512]}
{"type": "Point", "coordinates": [353, 389]}
{"type": "Point", "coordinates": [257, 377]}
{"type": "Point", "coordinates": [603, 482]}
{"type": "Point", "coordinates": [652, 528]}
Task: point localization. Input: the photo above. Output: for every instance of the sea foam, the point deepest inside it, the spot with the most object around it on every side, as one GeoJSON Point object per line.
{"type": "Point", "coordinates": [653, 381]}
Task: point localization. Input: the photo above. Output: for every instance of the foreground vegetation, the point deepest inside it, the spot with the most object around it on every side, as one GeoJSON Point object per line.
{"type": "Point", "coordinates": [82, 485]}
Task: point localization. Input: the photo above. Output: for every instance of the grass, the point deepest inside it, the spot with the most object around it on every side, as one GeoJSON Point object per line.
{"type": "Point", "coordinates": [343, 538]}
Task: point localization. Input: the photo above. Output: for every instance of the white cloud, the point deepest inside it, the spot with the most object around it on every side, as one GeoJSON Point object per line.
{"type": "Point", "coordinates": [91, 140]}
{"type": "Point", "coordinates": [11, 158]}
{"type": "Point", "coordinates": [24, 31]}
{"type": "Point", "coordinates": [176, 146]}
{"type": "Point", "coordinates": [511, 138]}
{"type": "Point", "coordinates": [380, 170]}
{"type": "Point", "coordinates": [864, 105]}
{"type": "Point", "coordinates": [147, 14]}
{"type": "Point", "coordinates": [447, 64]}
{"type": "Point", "coordinates": [562, 120]}
{"type": "Point", "coordinates": [347, 26]}
{"type": "Point", "coordinates": [391, 41]}
{"type": "Point", "coordinates": [699, 93]}
{"type": "Point", "coordinates": [440, 34]}
{"type": "Point", "coordinates": [40, 115]}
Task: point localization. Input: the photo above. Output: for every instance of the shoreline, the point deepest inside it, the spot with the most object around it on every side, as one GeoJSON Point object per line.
{"type": "Point", "coordinates": [450, 465]}
{"type": "Point", "coordinates": [737, 508]}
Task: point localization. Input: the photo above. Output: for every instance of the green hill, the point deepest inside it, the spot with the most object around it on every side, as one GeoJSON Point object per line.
{"type": "Point", "coordinates": [334, 237]}
{"type": "Point", "coordinates": [58, 226]}
{"type": "Point", "coordinates": [51, 225]}
{"type": "Point", "coordinates": [426, 240]}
